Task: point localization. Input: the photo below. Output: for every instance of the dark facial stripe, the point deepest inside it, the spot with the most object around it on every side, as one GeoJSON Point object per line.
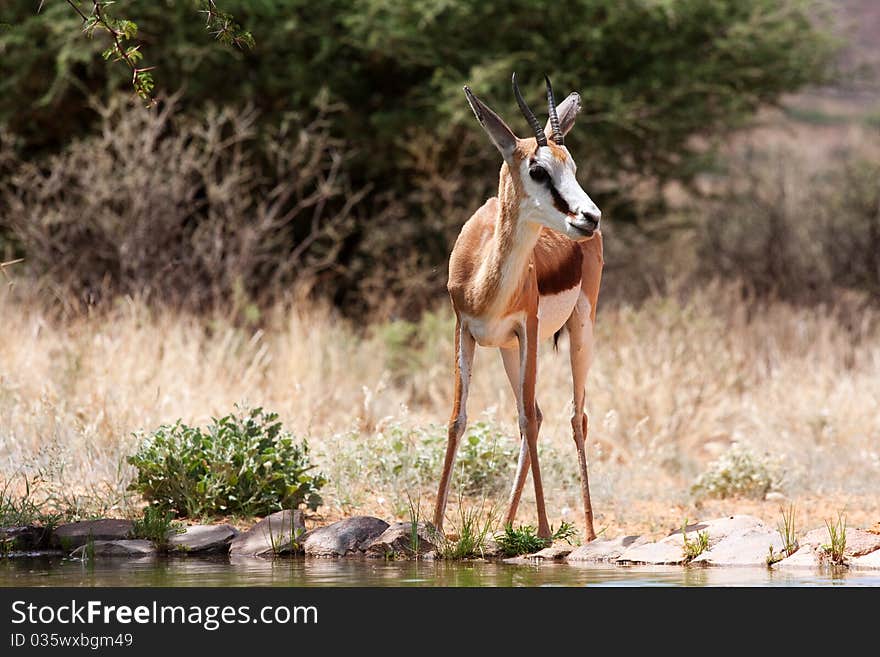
{"type": "Point", "coordinates": [558, 202]}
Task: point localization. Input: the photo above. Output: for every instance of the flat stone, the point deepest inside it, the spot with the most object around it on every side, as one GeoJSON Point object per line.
{"type": "Point", "coordinates": [670, 550]}
{"type": "Point", "coordinates": [750, 547]}
{"type": "Point", "coordinates": [553, 552]}
{"type": "Point", "coordinates": [397, 539]}
{"type": "Point", "coordinates": [718, 528]}
{"type": "Point", "coordinates": [806, 557]}
{"type": "Point", "coordinates": [663, 552]}
{"type": "Point", "coordinates": [550, 553]}
{"type": "Point", "coordinates": [74, 534]}
{"type": "Point", "coordinates": [24, 539]}
{"type": "Point", "coordinates": [124, 548]}
{"type": "Point", "coordinates": [348, 536]}
{"type": "Point", "coordinates": [859, 544]}
{"type": "Point", "coordinates": [490, 548]}
{"type": "Point", "coordinates": [605, 550]}
{"type": "Point", "coordinates": [858, 541]}
{"type": "Point", "coordinates": [870, 561]}
{"type": "Point", "coordinates": [279, 533]}
{"type": "Point", "coordinates": [203, 539]}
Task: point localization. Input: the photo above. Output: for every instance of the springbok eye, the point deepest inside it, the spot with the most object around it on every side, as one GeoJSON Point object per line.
{"type": "Point", "coordinates": [539, 174]}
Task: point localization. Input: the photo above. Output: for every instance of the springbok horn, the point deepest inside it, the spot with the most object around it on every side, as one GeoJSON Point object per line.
{"type": "Point", "coordinates": [529, 114]}
{"type": "Point", "coordinates": [554, 118]}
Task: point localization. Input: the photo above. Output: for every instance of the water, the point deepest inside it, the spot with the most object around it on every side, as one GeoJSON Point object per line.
{"type": "Point", "coordinates": [222, 571]}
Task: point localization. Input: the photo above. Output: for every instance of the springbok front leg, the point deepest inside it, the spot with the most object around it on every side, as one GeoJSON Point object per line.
{"type": "Point", "coordinates": [528, 421]}
{"type": "Point", "coordinates": [580, 331]}
{"type": "Point", "coordinates": [510, 358]}
{"type": "Point", "coordinates": [464, 359]}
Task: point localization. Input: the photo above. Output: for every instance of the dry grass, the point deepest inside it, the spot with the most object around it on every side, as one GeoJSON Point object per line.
{"type": "Point", "coordinates": [672, 386]}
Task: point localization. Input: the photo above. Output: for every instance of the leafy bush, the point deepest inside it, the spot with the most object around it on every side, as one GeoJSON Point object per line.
{"type": "Point", "coordinates": [484, 465]}
{"type": "Point", "coordinates": [738, 472]}
{"type": "Point", "coordinates": [402, 459]}
{"type": "Point", "coordinates": [173, 209]}
{"type": "Point", "coordinates": [242, 463]}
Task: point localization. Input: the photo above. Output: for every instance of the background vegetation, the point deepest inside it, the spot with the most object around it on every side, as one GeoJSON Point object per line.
{"type": "Point", "coordinates": [274, 229]}
{"type": "Point", "coordinates": [338, 150]}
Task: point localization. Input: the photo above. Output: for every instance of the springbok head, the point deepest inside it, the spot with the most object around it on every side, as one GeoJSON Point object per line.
{"type": "Point", "coordinates": [542, 167]}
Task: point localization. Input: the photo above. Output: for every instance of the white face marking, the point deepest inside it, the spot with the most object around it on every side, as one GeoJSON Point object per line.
{"type": "Point", "coordinates": [539, 206]}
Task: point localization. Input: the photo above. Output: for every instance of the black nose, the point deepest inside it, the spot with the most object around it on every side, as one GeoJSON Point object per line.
{"type": "Point", "coordinates": [591, 219]}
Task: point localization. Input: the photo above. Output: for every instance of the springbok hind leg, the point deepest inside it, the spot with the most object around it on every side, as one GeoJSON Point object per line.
{"type": "Point", "coordinates": [580, 331]}
{"type": "Point", "coordinates": [464, 359]}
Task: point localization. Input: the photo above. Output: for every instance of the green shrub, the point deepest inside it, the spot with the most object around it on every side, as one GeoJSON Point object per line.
{"type": "Point", "coordinates": [243, 463]}
{"type": "Point", "coordinates": [484, 464]}
{"type": "Point", "coordinates": [738, 472]}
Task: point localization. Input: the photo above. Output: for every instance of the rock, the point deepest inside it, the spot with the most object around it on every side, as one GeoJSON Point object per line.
{"type": "Point", "coordinates": [670, 550]}
{"type": "Point", "coordinates": [397, 539]}
{"type": "Point", "coordinates": [123, 548]}
{"type": "Point", "coordinates": [348, 536]}
{"type": "Point", "coordinates": [278, 533]}
{"type": "Point", "coordinates": [812, 554]}
{"type": "Point", "coordinates": [870, 561]}
{"type": "Point", "coordinates": [553, 552]}
{"type": "Point", "coordinates": [663, 552]}
{"type": "Point", "coordinates": [808, 556]}
{"type": "Point", "coordinates": [750, 547]}
{"type": "Point", "coordinates": [26, 538]}
{"type": "Point", "coordinates": [604, 550]}
{"type": "Point", "coordinates": [858, 541]}
{"type": "Point", "coordinates": [550, 553]}
{"type": "Point", "coordinates": [490, 548]}
{"type": "Point", "coordinates": [203, 539]}
{"type": "Point", "coordinates": [74, 534]}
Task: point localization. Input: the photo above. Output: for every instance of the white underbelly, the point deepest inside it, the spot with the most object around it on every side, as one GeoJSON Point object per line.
{"type": "Point", "coordinates": [554, 310]}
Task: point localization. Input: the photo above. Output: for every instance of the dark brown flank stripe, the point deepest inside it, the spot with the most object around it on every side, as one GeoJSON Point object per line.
{"type": "Point", "coordinates": [561, 272]}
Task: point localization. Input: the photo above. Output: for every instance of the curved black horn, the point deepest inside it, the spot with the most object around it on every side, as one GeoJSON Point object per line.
{"type": "Point", "coordinates": [529, 114]}
{"type": "Point", "coordinates": [554, 117]}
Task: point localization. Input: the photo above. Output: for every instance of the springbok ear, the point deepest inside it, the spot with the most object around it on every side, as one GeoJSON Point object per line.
{"type": "Point", "coordinates": [494, 125]}
{"type": "Point", "coordinates": [567, 111]}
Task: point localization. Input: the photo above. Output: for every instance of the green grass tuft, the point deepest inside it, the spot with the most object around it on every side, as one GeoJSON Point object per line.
{"type": "Point", "coordinates": [156, 525]}
{"type": "Point", "coordinates": [474, 528]}
{"type": "Point", "coordinates": [835, 550]}
{"type": "Point", "coordinates": [692, 548]}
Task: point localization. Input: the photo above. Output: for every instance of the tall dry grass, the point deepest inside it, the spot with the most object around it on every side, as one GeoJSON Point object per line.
{"type": "Point", "coordinates": [674, 383]}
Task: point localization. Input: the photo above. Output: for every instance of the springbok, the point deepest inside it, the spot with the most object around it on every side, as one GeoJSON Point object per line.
{"type": "Point", "coordinates": [526, 266]}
